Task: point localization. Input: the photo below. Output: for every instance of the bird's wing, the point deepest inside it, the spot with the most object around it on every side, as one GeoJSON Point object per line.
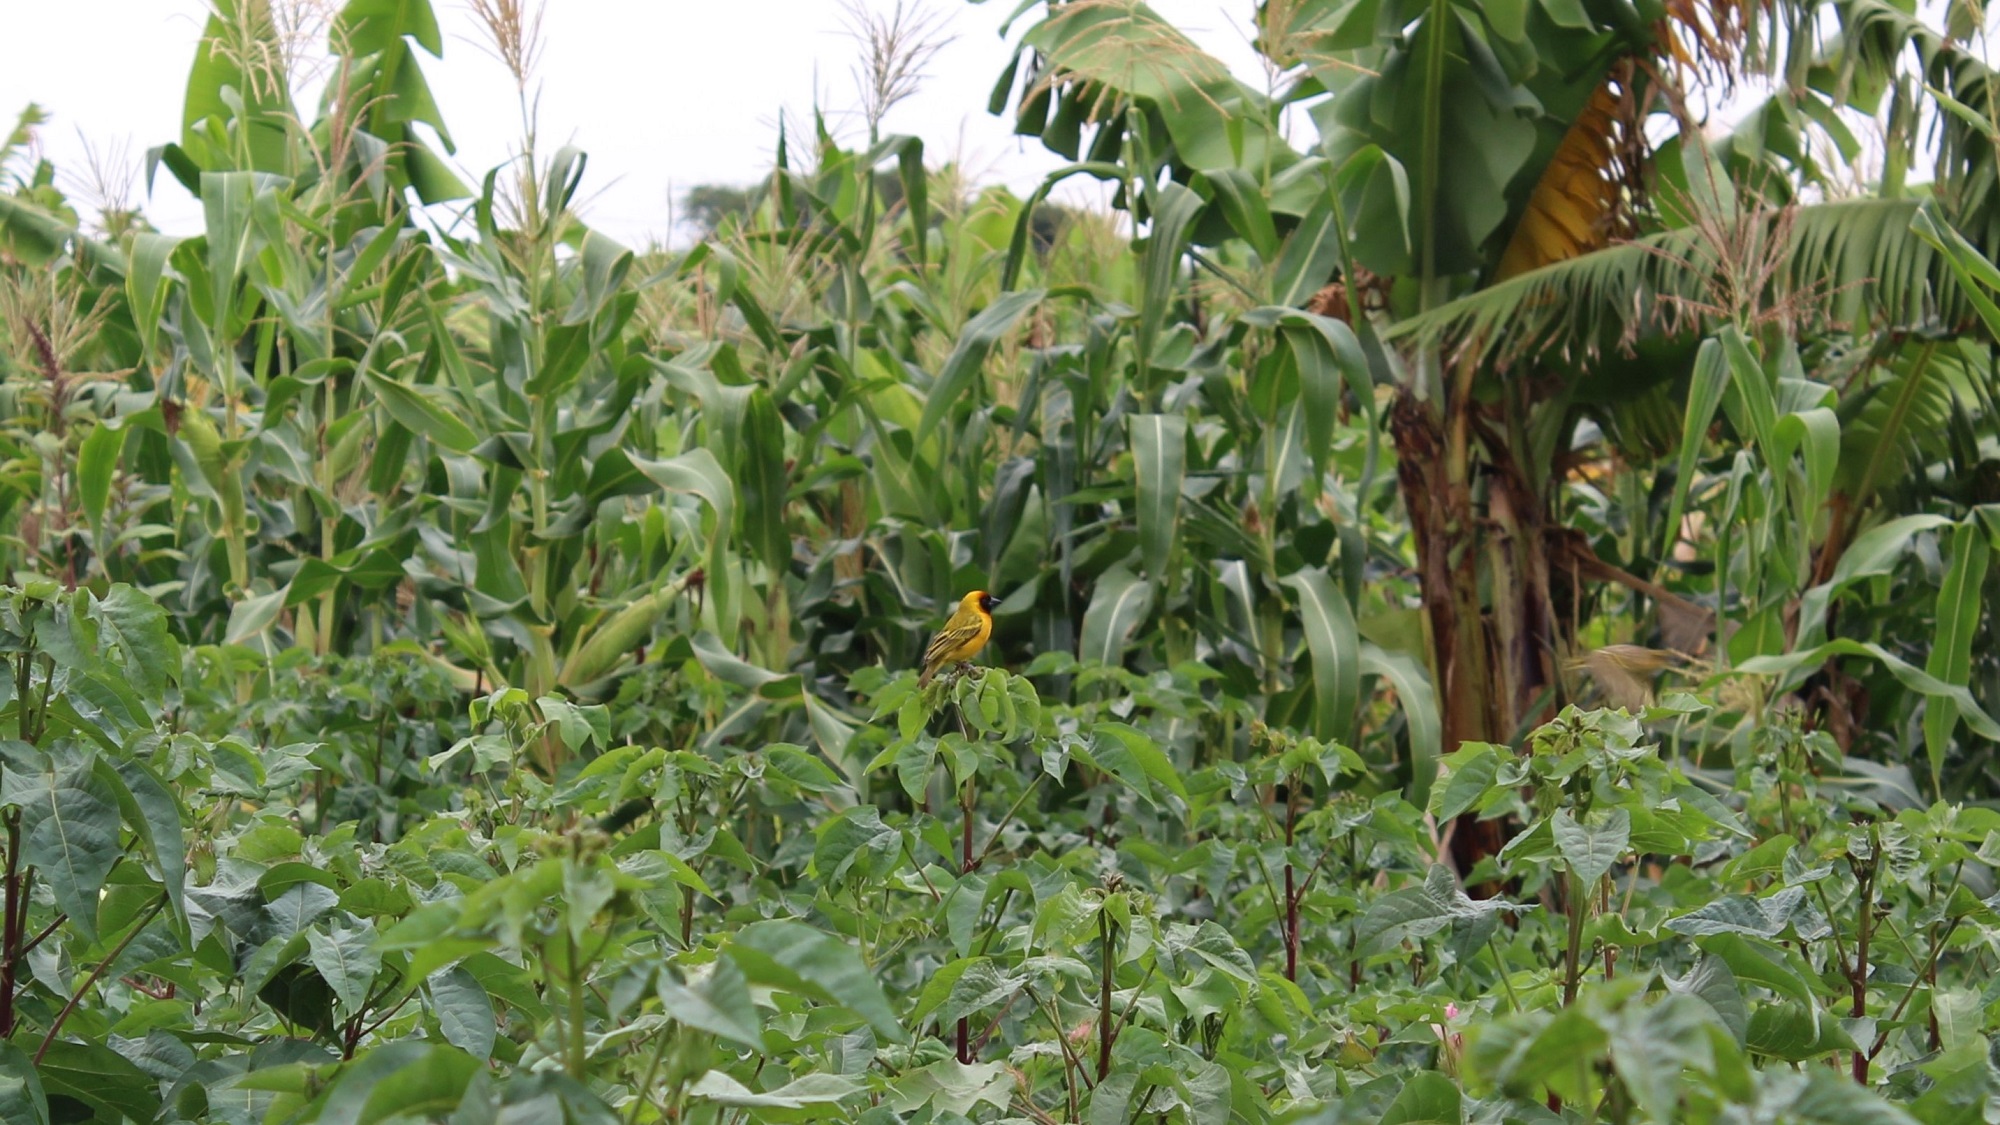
{"type": "Point", "coordinates": [955, 633]}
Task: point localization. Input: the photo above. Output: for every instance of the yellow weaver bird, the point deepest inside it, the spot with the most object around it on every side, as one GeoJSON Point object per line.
{"type": "Point", "coordinates": [962, 636]}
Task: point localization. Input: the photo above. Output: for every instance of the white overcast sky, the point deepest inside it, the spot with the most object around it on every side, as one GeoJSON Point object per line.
{"type": "Point", "coordinates": [663, 94]}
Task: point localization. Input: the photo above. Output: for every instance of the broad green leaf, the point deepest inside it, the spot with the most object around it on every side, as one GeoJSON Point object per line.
{"type": "Point", "coordinates": [1789, 667]}
{"type": "Point", "coordinates": [1740, 914]}
{"type": "Point", "coordinates": [810, 1090]}
{"type": "Point", "coordinates": [1327, 354]}
{"type": "Point", "coordinates": [344, 954]}
{"type": "Point", "coordinates": [1242, 202]}
{"type": "Point", "coordinates": [1013, 483]}
{"type": "Point", "coordinates": [71, 839]}
{"type": "Point", "coordinates": [1135, 758]}
{"type": "Point", "coordinates": [976, 986]}
{"type": "Point", "coordinates": [1469, 775]}
{"type": "Point", "coordinates": [909, 153]}
{"type": "Point", "coordinates": [1705, 391]}
{"type": "Point", "coordinates": [147, 279]}
{"type": "Point", "coordinates": [953, 1087]}
{"type": "Point", "coordinates": [252, 615]}
{"type": "Point", "coordinates": [227, 91]}
{"type": "Point", "coordinates": [799, 767]}
{"type": "Point", "coordinates": [1308, 257]}
{"type": "Point", "coordinates": [369, 570]}
{"type": "Point", "coordinates": [1816, 1095]}
{"type": "Point", "coordinates": [1876, 550]}
{"type": "Point", "coordinates": [580, 727]}
{"type": "Point", "coordinates": [1399, 916]}
{"type": "Point", "coordinates": [228, 201]}
{"type": "Point", "coordinates": [1336, 652]}
{"type": "Point", "coordinates": [1420, 714]}
{"type": "Point", "coordinates": [297, 907]}
{"type": "Point", "coordinates": [1759, 964]}
{"type": "Point", "coordinates": [764, 482]}
{"type": "Point", "coordinates": [1749, 393]}
{"type": "Point", "coordinates": [1974, 272]}
{"type": "Point", "coordinates": [1592, 848]}
{"type": "Point", "coordinates": [696, 473]}
{"type": "Point", "coordinates": [428, 1088]}
{"type": "Point", "coordinates": [98, 1078]}
{"type": "Point", "coordinates": [1117, 607]}
{"type": "Point", "coordinates": [796, 957]}
{"type": "Point", "coordinates": [21, 1097]}
{"type": "Point", "coordinates": [975, 342]}
{"type": "Point", "coordinates": [731, 668]}
{"type": "Point", "coordinates": [1428, 1098]}
{"type": "Point", "coordinates": [423, 411]}
{"type": "Point", "coordinates": [1794, 1033]}
{"type": "Point", "coordinates": [601, 268]}
{"type": "Point", "coordinates": [1873, 552]}
{"type": "Point", "coordinates": [1372, 188]}
{"type": "Point", "coordinates": [1159, 454]}
{"type": "Point", "coordinates": [1763, 860]}
{"type": "Point", "coordinates": [155, 814]}
{"type": "Point", "coordinates": [1161, 269]}
{"type": "Point", "coordinates": [464, 1011]}
{"type": "Point", "coordinates": [1950, 659]}
{"type": "Point", "coordinates": [699, 474]}
{"type": "Point", "coordinates": [1111, 1099]}
{"type": "Point", "coordinates": [31, 233]}
{"type": "Point", "coordinates": [413, 1078]}
{"type": "Point", "coordinates": [856, 841]}
{"type": "Point", "coordinates": [133, 631]}
{"type": "Point", "coordinates": [718, 1003]}
{"type": "Point", "coordinates": [1714, 984]}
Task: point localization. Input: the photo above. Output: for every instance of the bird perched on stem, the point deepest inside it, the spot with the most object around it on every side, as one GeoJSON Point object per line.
{"type": "Point", "coordinates": [962, 636]}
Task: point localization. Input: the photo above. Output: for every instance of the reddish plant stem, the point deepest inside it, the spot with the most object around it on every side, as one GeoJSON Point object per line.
{"type": "Point", "coordinates": [1291, 893]}
{"type": "Point", "coordinates": [1105, 1034]}
{"type": "Point", "coordinates": [966, 863]}
{"type": "Point", "coordinates": [1865, 878]}
{"type": "Point", "coordinates": [11, 913]}
{"type": "Point", "coordinates": [13, 904]}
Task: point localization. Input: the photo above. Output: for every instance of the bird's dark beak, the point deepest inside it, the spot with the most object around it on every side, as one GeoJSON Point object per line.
{"type": "Point", "coordinates": [987, 602]}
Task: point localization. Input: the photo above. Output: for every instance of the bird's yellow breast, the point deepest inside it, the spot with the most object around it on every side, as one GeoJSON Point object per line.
{"type": "Point", "coordinates": [964, 635]}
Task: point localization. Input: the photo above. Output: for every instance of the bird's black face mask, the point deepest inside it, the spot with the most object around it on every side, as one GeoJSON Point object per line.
{"type": "Point", "coordinates": [987, 602]}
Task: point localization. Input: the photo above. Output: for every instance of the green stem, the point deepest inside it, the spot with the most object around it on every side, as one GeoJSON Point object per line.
{"type": "Point", "coordinates": [980, 861]}
{"type": "Point", "coordinates": [577, 1056]}
{"type": "Point", "coordinates": [652, 1071]}
{"type": "Point", "coordinates": [1107, 965]}
{"type": "Point", "coordinates": [1506, 978]}
{"type": "Point", "coordinates": [56, 1026]}
{"type": "Point", "coordinates": [1573, 954]}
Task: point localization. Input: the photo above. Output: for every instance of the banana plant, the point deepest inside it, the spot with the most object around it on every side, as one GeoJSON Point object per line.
{"type": "Point", "coordinates": [1490, 207]}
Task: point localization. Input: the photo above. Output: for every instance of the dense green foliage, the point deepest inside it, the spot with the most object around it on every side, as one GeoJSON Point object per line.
{"type": "Point", "coordinates": [1501, 646]}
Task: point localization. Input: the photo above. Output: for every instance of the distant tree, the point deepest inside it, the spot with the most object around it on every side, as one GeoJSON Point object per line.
{"type": "Point", "coordinates": [1047, 224]}
{"type": "Point", "coordinates": [705, 206]}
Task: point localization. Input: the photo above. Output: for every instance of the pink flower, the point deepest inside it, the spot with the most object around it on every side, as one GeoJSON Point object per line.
{"type": "Point", "coordinates": [1451, 1044]}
